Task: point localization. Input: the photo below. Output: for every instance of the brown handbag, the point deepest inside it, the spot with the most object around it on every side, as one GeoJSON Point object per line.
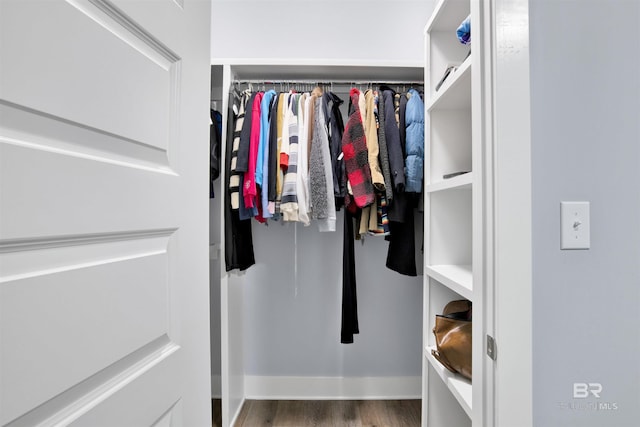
{"type": "Point", "coordinates": [453, 337]}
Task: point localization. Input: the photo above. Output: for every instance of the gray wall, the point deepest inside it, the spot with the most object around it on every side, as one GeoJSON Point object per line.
{"type": "Point", "coordinates": [292, 308]}
{"type": "Point", "coordinates": [585, 92]}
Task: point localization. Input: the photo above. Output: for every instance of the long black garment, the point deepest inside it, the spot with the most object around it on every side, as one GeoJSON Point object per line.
{"type": "Point", "coordinates": [349, 300]}
{"type": "Point", "coordinates": [401, 252]}
{"type": "Point", "coordinates": [238, 237]}
{"type": "Point", "coordinates": [398, 210]}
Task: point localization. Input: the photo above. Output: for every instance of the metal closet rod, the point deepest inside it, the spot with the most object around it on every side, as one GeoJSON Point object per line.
{"type": "Point", "coordinates": [355, 82]}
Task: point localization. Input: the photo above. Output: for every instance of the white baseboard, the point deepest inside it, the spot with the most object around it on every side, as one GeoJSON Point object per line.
{"type": "Point", "coordinates": [216, 387]}
{"type": "Point", "coordinates": [235, 416]}
{"type": "Point", "coordinates": [332, 388]}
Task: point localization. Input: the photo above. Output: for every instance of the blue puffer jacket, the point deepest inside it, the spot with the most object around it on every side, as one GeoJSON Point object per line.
{"type": "Point", "coordinates": [414, 119]}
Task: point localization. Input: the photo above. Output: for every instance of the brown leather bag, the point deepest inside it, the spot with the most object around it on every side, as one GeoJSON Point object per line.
{"type": "Point", "coordinates": [453, 337]}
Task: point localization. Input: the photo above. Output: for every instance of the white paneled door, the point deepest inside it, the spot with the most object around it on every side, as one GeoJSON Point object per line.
{"type": "Point", "coordinates": [104, 307]}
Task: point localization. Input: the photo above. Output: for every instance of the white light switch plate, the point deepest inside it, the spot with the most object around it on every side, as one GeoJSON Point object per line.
{"type": "Point", "coordinates": [574, 225]}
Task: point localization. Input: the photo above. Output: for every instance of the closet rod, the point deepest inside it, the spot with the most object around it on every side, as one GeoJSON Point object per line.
{"type": "Point", "coordinates": [318, 82]}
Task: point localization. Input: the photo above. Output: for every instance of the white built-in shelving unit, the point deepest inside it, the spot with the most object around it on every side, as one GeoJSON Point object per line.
{"type": "Point", "coordinates": [453, 208]}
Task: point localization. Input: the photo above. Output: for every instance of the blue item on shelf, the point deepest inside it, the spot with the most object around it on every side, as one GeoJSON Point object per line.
{"type": "Point", "coordinates": [464, 31]}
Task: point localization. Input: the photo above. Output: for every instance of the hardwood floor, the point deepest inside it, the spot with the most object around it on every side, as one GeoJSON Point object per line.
{"type": "Point", "coordinates": [216, 412]}
{"type": "Point", "coordinates": [326, 413]}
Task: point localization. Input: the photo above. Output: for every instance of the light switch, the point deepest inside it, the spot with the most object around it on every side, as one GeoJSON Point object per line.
{"type": "Point", "coordinates": [574, 225]}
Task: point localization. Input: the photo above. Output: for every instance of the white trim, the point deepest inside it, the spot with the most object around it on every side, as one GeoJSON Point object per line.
{"type": "Point", "coordinates": [216, 386]}
{"type": "Point", "coordinates": [316, 62]}
{"type": "Point", "coordinates": [511, 219]}
{"type": "Point", "coordinates": [339, 71]}
{"type": "Point", "coordinates": [331, 388]}
{"type": "Point", "coordinates": [237, 413]}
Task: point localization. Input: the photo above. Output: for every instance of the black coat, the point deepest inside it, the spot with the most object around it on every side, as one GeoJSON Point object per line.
{"type": "Point", "coordinates": [335, 128]}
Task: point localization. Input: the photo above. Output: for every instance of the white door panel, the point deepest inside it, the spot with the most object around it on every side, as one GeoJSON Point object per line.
{"type": "Point", "coordinates": [103, 213]}
{"type": "Point", "coordinates": [118, 64]}
{"type": "Point", "coordinates": [89, 200]}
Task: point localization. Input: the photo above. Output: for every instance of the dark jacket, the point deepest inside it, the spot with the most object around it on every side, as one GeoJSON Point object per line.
{"type": "Point", "coordinates": [214, 148]}
{"type": "Point", "coordinates": [394, 147]}
{"type": "Point", "coordinates": [238, 248]}
{"type": "Point", "coordinates": [273, 149]}
{"type": "Point", "coordinates": [383, 155]}
{"type": "Point", "coordinates": [242, 163]}
{"type": "Point", "coordinates": [335, 127]}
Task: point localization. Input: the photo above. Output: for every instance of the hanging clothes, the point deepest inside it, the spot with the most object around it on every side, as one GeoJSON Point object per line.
{"type": "Point", "coordinates": [290, 158]}
{"type": "Point", "coordinates": [369, 218]}
{"type": "Point", "coordinates": [302, 174]}
{"type": "Point", "coordinates": [371, 131]}
{"type": "Point", "coordinates": [242, 164]}
{"type": "Point", "coordinates": [262, 162]}
{"type": "Point", "coordinates": [215, 133]}
{"type": "Point", "coordinates": [401, 236]}
{"type": "Point", "coordinates": [289, 205]}
{"type": "Point", "coordinates": [283, 148]}
{"type": "Point", "coordinates": [273, 156]}
{"type": "Point", "coordinates": [400, 102]}
{"type": "Point", "coordinates": [238, 246]}
{"type": "Point", "coordinates": [356, 156]}
{"type": "Point", "coordinates": [335, 128]}
{"type": "Point", "coordinates": [236, 176]}
{"type": "Point", "coordinates": [394, 147]}
{"type": "Point", "coordinates": [381, 216]}
{"type": "Point", "coordinates": [349, 322]}
{"type": "Point", "coordinates": [323, 202]}
{"type": "Point", "coordinates": [401, 254]}
{"type": "Point", "coordinates": [415, 142]}
{"type": "Point", "coordinates": [249, 185]}
{"type": "Point", "coordinates": [384, 152]}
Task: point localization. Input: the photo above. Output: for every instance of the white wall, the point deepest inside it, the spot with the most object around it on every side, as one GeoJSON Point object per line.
{"type": "Point", "coordinates": [347, 30]}
{"type": "Point", "coordinates": [585, 91]}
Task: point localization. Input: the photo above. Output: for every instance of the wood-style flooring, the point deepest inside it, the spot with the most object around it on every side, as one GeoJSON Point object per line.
{"type": "Point", "coordinates": [216, 412]}
{"type": "Point", "coordinates": [326, 413]}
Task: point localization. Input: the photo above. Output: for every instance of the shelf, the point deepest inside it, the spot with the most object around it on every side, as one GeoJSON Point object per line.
{"type": "Point", "coordinates": [458, 278]}
{"type": "Point", "coordinates": [460, 387]}
{"type": "Point", "coordinates": [460, 182]}
{"type": "Point", "coordinates": [455, 92]}
{"type": "Point", "coordinates": [447, 15]}
{"type": "Point", "coordinates": [347, 71]}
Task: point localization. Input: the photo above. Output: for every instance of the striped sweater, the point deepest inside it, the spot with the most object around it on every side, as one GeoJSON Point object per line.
{"type": "Point", "coordinates": [289, 203]}
{"type": "Point", "coordinates": [235, 175]}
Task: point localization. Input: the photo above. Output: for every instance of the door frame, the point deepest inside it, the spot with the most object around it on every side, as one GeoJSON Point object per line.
{"type": "Point", "coordinates": [507, 200]}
